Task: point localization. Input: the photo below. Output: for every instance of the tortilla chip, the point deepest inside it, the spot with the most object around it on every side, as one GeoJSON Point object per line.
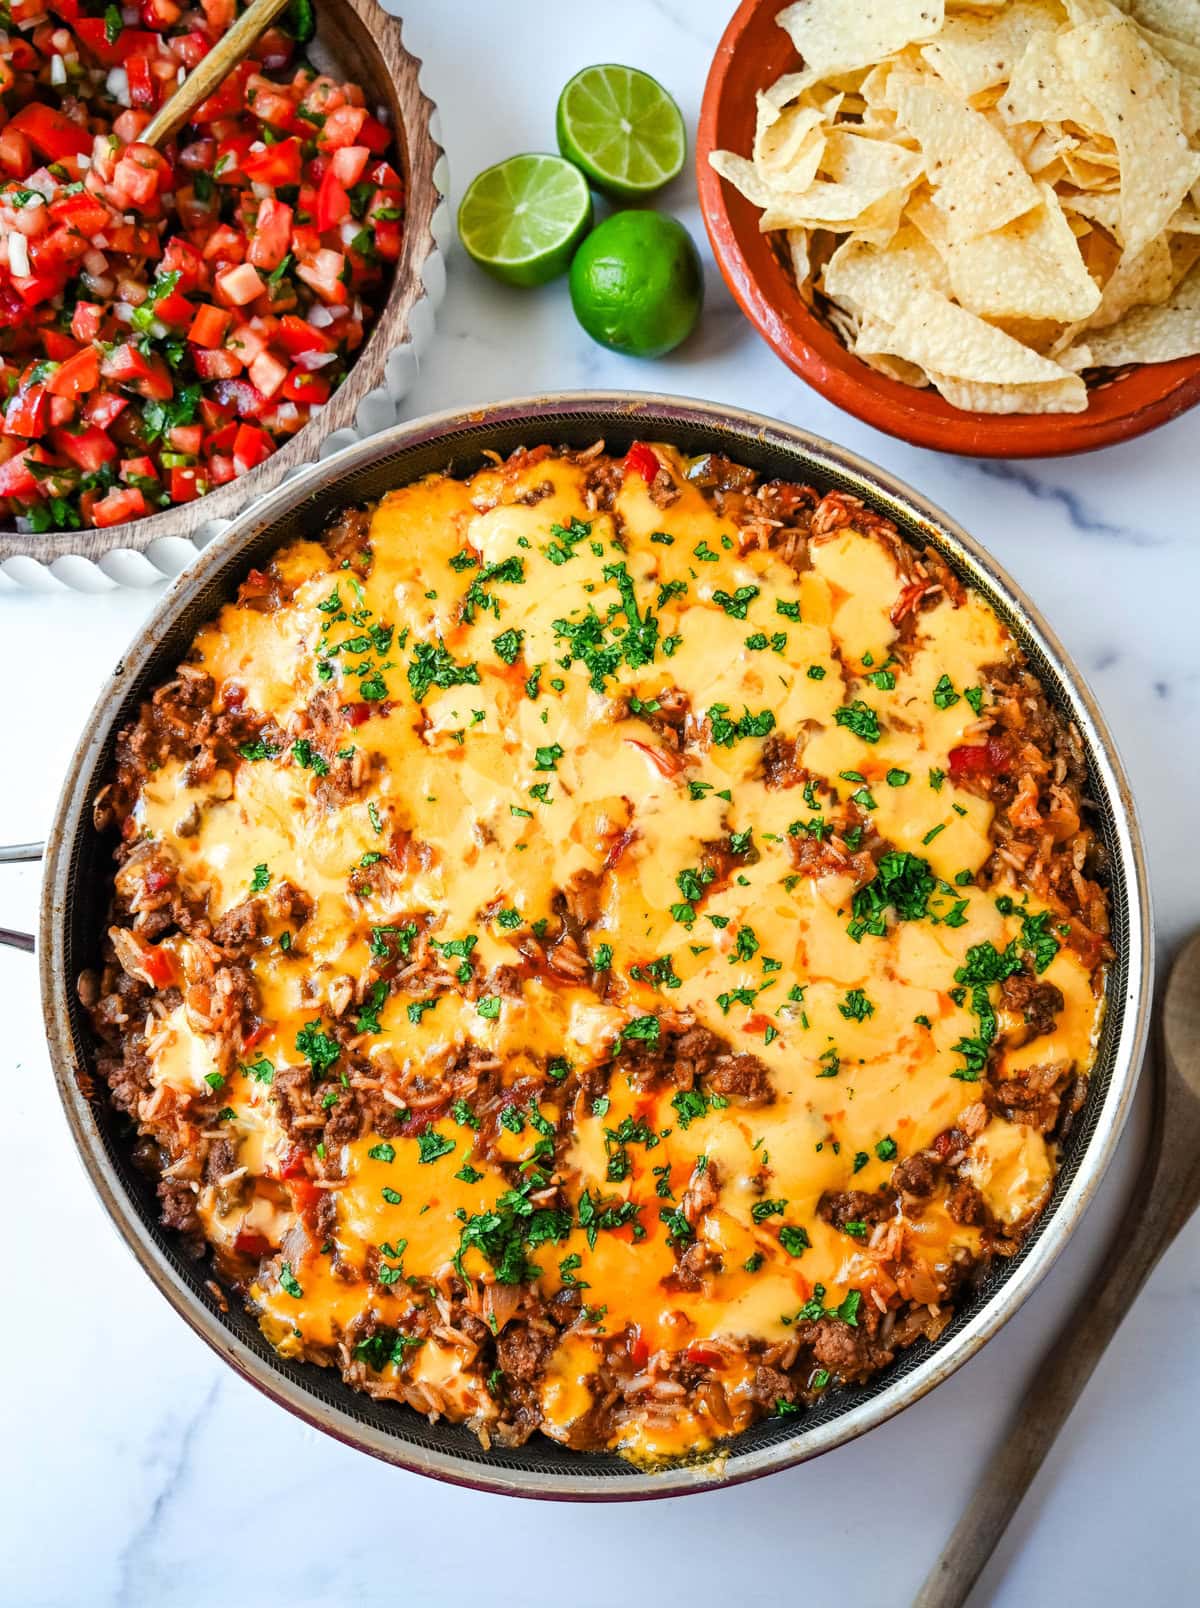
{"type": "Point", "coordinates": [1134, 93]}
{"type": "Point", "coordinates": [861, 173]}
{"type": "Point", "coordinates": [972, 54]}
{"type": "Point", "coordinates": [1153, 334]}
{"type": "Point", "coordinates": [879, 283]}
{"type": "Point", "coordinates": [1068, 395]}
{"type": "Point", "coordinates": [1042, 91]}
{"type": "Point", "coordinates": [788, 145]}
{"type": "Point", "coordinates": [1180, 19]}
{"type": "Point", "coordinates": [1029, 269]}
{"type": "Point", "coordinates": [976, 177]}
{"type": "Point", "coordinates": [943, 338]}
{"type": "Point", "coordinates": [834, 37]}
{"type": "Point", "coordinates": [1145, 276]}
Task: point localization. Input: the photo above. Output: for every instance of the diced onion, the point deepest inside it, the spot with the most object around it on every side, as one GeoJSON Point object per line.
{"type": "Point", "coordinates": [117, 84]}
{"type": "Point", "coordinates": [319, 315]}
{"type": "Point", "coordinates": [287, 411]}
{"type": "Point", "coordinates": [262, 192]}
{"type": "Point", "coordinates": [18, 254]}
{"type": "Point", "coordinates": [85, 162]}
{"type": "Point", "coordinates": [96, 262]}
{"type": "Point", "coordinates": [58, 70]}
{"type": "Point", "coordinates": [99, 285]}
{"type": "Point", "coordinates": [314, 360]}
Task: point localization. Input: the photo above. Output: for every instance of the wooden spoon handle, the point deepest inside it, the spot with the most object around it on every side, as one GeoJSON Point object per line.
{"type": "Point", "coordinates": [212, 70]}
{"type": "Point", "coordinates": [1154, 1217]}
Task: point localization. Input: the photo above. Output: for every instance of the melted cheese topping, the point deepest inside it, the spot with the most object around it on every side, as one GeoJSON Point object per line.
{"type": "Point", "coordinates": [515, 772]}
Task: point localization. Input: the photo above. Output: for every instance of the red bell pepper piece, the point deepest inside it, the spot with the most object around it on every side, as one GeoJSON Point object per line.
{"type": "Point", "coordinates": [641, 460]}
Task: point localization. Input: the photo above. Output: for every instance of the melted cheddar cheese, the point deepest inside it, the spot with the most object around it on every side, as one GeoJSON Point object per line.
{"type": "Point", "coordinates": [498, 667]}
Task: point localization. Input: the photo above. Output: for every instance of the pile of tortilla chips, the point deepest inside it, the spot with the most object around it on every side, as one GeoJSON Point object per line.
{"type": "Point", "coordinates": [993, 196]}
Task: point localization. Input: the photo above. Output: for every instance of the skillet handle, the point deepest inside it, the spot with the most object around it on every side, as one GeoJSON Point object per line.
{"type": "Point", "coordinates": [19, 854]}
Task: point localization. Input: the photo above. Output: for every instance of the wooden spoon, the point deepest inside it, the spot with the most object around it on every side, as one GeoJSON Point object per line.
{"type": "Point", "coordinates": [212, 70]}
{"type": "Point", "coordinates": [1165, 1196]}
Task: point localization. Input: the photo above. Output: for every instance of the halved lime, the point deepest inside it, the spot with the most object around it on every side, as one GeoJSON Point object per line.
{"type": "Point", "coordinates": [523, 218]}
{"type": "Point", "coordinates": [623, 129]}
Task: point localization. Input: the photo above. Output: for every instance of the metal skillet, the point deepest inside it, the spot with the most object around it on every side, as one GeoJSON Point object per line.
{"type": "Point", "coordinates": [77, 884]}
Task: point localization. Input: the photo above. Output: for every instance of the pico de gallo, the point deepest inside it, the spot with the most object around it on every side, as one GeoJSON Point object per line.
{"type": "Point", "coordinates": [169, 317]}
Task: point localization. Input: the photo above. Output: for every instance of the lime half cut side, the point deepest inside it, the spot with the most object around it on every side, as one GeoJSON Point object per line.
{"type": "Point", "coordinates": [623, 129]}
{"type": "Point", "coordinates": [523, 218]}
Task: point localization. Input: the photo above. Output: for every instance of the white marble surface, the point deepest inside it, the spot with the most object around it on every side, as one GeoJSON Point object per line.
{"type": "Point", "coordinates": [135, 1470]}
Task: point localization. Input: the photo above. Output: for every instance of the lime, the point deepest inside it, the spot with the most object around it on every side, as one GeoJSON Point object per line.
{"type": "Point", "coordinates": [523, 218]}
{"type": "Point", "coordinates": [623, 129]}
{"type": "Point", "coordinates": [637, 284]}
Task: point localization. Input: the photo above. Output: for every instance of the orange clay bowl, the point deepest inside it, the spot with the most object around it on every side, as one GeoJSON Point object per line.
{"type": "Point", "coordinates": [358, 40]}
{"type": "Point", "coordinates": [753, 53]}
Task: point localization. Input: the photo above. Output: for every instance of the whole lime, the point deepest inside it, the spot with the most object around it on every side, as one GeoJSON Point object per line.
{"type": "Point", "coordinates": [637, 284]}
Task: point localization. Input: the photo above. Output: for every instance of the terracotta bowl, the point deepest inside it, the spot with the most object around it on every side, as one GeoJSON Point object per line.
{"type": "Point", "coordinates": [753, 53]}
{"type": "Point", "coordinates": [358, 40]}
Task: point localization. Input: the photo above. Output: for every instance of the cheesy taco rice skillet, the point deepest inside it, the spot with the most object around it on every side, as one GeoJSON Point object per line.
{"type": "Point", "coordinates": [609, 947]}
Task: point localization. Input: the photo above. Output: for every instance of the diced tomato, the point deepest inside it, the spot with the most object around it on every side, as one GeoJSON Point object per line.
{"type": "Point", "coordinates": [275, 165]}
{"type": "Point", "coordinates": [183, 259]}
{"type": "Point", "coordinates": [141, 468]}
{"type": "Point", "coordinates": [86, 320]}
{"type": "Point", "coordinates": [970, 761]}
{"type": "Point", "coordinates": [267, 373]}
{"type": "Point", "coordinates": [88, 449]}
{"type": "Point", "coordinates": [251, 447]}
{"type": "Point", "coordinates": [641, 460]}
{"type": "Point", "coordinates": [241, 396]}
{"type": "Point", "coordinates": [374, 136]}
{"type": "Point", "coordinates": [296, 335]}
{"type": "Point", "coordinates": [16, 153]}
{"type": "Point", "coordinates": [333, 203]}
{"type": "Point", "coordinates": [639, 1351]}
{"type": "Point", "coordinates": [348, 164]}
{"type": "Point", "coordinates": [702, 1356]}
{"type": "Point", "coordinates": [186, 483]}
{"type": "Point", "coordinates": [57, 346]}
{"type": "Point", "coordinates": [16, 479]}
{"type": "Point", "coordinates": [303, 385]}
{"type": "Point", "coordinates": [269, 103]}
{"type": "Point", "coordinates": [239, 285]}
{"type": "Point", "coordinates": [217, 363]}
{"type": "Point", "coordinates": [186, 438]}
{"type": "Point", "coordinates": [388, 237]}
{"type": "Point", "coordinates": [341, 127]}
{"type": "Point", "coordinates": [51, 134]}
{"type": "Point", "coordinates": [247, 1243]}
{"type": "Point", "coordinates": [143, 91]}
{"type": "Point", "coordinates": [103, 408]}
{"type": "Point", "coordinates": [271, 234]}
{"type": "Point", "coordinates": [124, 503]}
{"type": "Point", "coordinates": [149, 375]}
{"type": "Point", "coordinates": [112, 53]}
{"type": "Point", "coordinates": [323, 273]}
{"type": "Point", "coordinates": [138, 175]}
{"type": "Point", "coordinates": [174, 309]}
{"type": "Point", "coordinates": [26, 413]}
{"type": "Point", "coordinates": [84, 212]}
{"type": "Point", "coordinates": [292, 1165]}
{"type": "Point", "coordinates": [77, 375]}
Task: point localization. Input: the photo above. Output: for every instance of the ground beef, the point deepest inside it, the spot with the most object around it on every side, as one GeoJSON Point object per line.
{"type": "Point", "coordinates": [779, 764]}
{"type": "Point", "coordinates": [916, 1176]}
{"type": "Point", "coordinates": [240, 926]}
{"type": "Point", "coordinates": [1032, 1094]}
{"type": "Point", "coordinates": [178, 1202]}
{"type": "Point", "coordinates": [292, 1092]}
{"type": "Point", "coordinates": [772, 1385]}
{"type": "Point", "coordinates": [743, 1078]}
{"type": "Point", "coordinates": [839, 1207]}
{"type": "Point", "coordinates": [965, 1203]}
{"type": "Point", "coordinates": [521, 1350]}
{"type": "Point", "coordinates": [1038, 1003]}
